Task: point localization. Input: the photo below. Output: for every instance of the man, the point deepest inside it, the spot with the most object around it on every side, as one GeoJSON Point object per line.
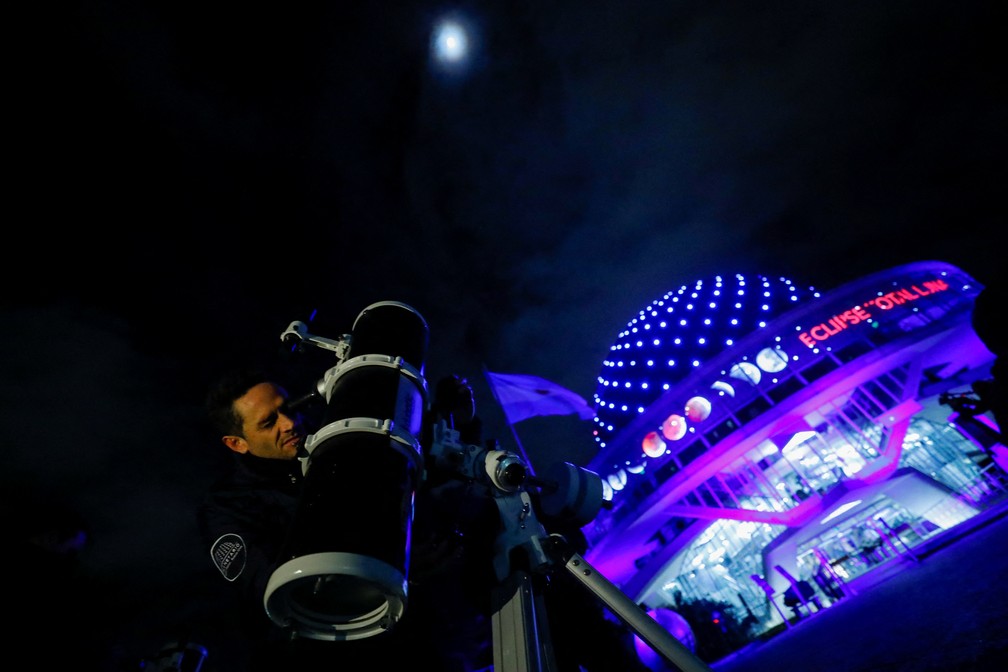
{"type": "Point", "coordinates": [246, 516]}
{"type": "Point", "coordinates": [245, 521]}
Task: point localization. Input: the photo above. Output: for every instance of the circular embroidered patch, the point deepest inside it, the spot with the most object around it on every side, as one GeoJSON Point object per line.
{"type": "Point", "coordinates": [228, 555]}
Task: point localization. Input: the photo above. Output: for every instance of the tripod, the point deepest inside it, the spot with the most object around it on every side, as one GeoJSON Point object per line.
{"type": "Point", "coordinates": [524, 551]}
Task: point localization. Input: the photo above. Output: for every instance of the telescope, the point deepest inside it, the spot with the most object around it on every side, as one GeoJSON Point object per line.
{"type": "Point", "coordinates": [346, 571]}
{"type": "Point", "coordinates": [347, 575]}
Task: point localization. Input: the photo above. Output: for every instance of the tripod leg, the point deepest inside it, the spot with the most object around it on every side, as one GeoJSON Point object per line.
{"type": "Point", "coordinates": [657, 637]}
{"type": "Point", "coordinates": [521, 643]}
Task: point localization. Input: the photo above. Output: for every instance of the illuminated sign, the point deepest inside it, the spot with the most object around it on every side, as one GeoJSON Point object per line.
{"type": "Point", "coordinates": [861, 314]}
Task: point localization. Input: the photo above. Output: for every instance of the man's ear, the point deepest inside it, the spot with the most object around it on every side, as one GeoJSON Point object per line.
{"type": "Point", "coordinates": [235, 443]}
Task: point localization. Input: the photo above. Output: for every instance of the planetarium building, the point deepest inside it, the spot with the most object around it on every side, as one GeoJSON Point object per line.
{"type": "Point", "coordinates": [755, 436]}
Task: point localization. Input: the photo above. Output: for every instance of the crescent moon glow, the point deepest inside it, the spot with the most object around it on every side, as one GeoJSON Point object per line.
{"type": "Point", "coordinates": [724, 388]}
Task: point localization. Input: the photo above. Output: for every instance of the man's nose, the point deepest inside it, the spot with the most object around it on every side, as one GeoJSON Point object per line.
{"type": "Point", "coordinates": [288, 422]}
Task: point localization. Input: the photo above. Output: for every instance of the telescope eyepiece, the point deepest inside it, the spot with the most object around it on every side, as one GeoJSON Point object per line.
{"type": "Point", "coordinates": [506, 470]}
{"type": "Point", "coordinates": [514, 474]}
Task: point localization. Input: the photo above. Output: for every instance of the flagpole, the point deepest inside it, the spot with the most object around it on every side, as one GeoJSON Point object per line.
{"type": "Point", "coordinates": [521, 449]}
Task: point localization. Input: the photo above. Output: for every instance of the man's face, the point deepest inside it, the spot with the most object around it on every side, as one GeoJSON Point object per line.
{"type": "Point", "coordinates": [269, 431]}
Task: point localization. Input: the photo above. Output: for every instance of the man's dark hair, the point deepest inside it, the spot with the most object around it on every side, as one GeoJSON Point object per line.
{"type": "Point", "coordinates": [222, 395]}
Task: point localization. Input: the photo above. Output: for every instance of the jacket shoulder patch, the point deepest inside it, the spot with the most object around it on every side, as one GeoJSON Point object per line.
{"type": "Point", "coordinates": [228, 555]}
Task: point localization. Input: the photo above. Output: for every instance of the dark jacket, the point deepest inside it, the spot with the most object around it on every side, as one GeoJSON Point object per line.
{"type": "Point", "coordinates": [246, 521]}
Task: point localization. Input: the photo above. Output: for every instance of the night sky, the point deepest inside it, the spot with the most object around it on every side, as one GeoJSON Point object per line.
{"type": "Point", "coordinates": [187, 180]}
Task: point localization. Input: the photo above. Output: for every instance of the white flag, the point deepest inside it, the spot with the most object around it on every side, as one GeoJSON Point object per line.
{"type": "Point", "coordinates": [523, 396]}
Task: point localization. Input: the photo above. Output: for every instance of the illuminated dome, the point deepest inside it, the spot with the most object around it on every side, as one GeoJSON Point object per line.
{"type": "Point", "coordinates": [749, 430]}
{"type": "Point", "coordinates": [679, 332]}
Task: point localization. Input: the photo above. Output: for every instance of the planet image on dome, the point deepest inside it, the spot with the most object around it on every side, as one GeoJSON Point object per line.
{"type": "Point", "coordinates": [674, 427]}
{"type": "Point", "coordinates": [653, 445]}
{"type": "Point", "coordinates": [723, 388]}
{"type": "Point", "coordinates": [698, 409]}
{"type": "Point", "coordinates": [637, 468]}
{"type": "Point", "coordinates": [772, 360]}
{"type": "Point", "coordinates": [746, 371]}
